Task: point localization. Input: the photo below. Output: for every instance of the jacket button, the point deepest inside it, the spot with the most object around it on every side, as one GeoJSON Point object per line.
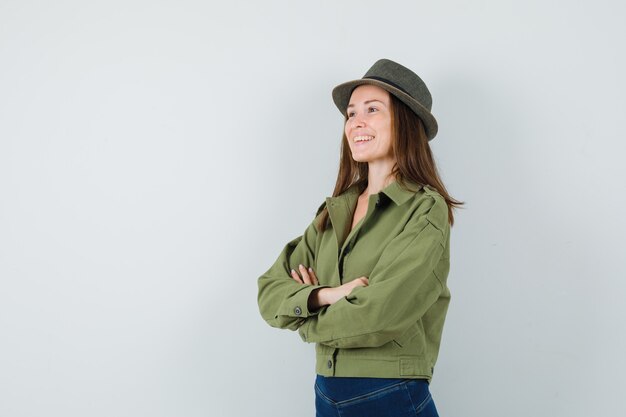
{"type": "Point", "coordinates": [330, 364]}
{"type": "Point", "coordinates": [297, 310]}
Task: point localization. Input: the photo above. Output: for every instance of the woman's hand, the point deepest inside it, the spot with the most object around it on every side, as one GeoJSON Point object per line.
{"type": "Point", "coordinates": [332, 295]}
{"type": "Point", "coordinates": [325, 296]}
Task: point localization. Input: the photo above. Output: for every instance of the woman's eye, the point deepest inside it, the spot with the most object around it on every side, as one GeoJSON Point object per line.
{"type": "Point", "coordinates": [372, 108]}
{"type": "Point", "coordinates": [350, 114]}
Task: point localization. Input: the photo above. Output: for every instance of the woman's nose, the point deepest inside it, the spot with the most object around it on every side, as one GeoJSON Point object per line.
{"type": "Point", "coordinates": [358, 121]}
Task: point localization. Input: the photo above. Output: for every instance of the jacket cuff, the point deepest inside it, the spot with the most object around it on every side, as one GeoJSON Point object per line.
{"type": "Point", "coordinates": [298, 304]}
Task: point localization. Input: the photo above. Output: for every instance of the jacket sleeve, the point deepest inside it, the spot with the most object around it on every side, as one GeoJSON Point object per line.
{"type": "Point", "coordinates": [282, 301]}
{"type": "Point", "coordinates": [403, 285]}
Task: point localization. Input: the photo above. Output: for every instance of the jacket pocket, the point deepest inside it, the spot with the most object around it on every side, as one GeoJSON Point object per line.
{"type": "Point", "coordinates": [413, 330]}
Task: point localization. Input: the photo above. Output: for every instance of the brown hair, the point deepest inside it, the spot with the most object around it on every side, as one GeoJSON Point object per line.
{"type": "Point", "coordinates": [414, 159]}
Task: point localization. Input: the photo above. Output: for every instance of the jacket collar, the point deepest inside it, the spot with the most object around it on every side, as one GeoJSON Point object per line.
{"type": "Point", "coordinates": [341, 208]}
{"type": "Point", "coordinates": [393, 191]}
{"type": "Point", "coordinates": [398, 194]}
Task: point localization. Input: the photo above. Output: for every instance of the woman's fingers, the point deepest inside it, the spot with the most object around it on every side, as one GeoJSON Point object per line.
{"type": "Point", "coordinates": [305, 274]}
{"type": "Point", "coordinates": [308, 275]}
{"type": "Point", "coordinates": [296, 277]}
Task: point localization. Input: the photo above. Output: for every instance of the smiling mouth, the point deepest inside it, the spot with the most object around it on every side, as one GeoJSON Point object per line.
{"type": "Point", "coordinates": [365, 138]}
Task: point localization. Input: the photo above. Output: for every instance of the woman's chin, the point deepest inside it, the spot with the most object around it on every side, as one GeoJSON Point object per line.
{"type": "Point", "coordinates": [359, 157]}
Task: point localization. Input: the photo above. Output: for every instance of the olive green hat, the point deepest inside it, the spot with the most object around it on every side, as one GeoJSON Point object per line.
{"type": "Point", "coordinates": [399, 81]}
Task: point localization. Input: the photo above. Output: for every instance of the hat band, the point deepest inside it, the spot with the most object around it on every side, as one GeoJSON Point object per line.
{"type": "Point", "coordinates": [391, 83]}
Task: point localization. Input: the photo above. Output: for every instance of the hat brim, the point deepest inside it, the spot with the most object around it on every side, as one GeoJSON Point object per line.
{"type": "Point", "coordinates": [342, 92]}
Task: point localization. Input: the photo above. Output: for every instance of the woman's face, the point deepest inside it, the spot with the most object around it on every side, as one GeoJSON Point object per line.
{"type": "Point", "coordinates": [368, 128]}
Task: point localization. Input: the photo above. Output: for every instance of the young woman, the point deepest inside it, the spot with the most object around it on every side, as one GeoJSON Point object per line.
{"type": "Point", "coordinates": [367, 280]}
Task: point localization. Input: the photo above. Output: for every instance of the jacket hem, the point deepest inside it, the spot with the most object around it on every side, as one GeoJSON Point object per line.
{"type": "Point", "coordinates": [350, 366]}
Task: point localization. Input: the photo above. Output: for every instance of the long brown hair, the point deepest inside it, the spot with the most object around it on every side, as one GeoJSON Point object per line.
{"type": "Point", "coordinates": [414, 159]}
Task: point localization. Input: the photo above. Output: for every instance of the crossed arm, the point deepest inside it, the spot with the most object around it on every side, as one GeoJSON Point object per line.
{"type": "Point", "coordinates": [403, 286]}
{"type": "Point", "coordinates": [321, 297]}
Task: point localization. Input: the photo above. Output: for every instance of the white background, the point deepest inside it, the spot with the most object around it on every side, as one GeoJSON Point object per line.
{"type": "Point", "coordinates": [155, 156]}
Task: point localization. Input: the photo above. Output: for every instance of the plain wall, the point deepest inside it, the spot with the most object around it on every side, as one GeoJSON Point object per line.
{"type": "Point", "coordinates": [155, 157]}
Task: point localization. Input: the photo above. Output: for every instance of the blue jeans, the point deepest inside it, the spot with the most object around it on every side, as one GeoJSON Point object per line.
{"type": "Point", "coordinates": [372, 397]}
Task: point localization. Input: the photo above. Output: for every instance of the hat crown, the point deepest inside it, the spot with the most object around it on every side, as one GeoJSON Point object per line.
{"type": "Point", "coordinates": [402, 78]}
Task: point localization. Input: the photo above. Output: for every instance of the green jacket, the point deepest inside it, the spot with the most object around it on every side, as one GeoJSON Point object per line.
{"type": "Point", "coordinates": [391, 328]}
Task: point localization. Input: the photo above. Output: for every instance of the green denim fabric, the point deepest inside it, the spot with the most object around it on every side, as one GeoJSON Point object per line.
{"type": "Point", "coordinates": [392, 328]}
